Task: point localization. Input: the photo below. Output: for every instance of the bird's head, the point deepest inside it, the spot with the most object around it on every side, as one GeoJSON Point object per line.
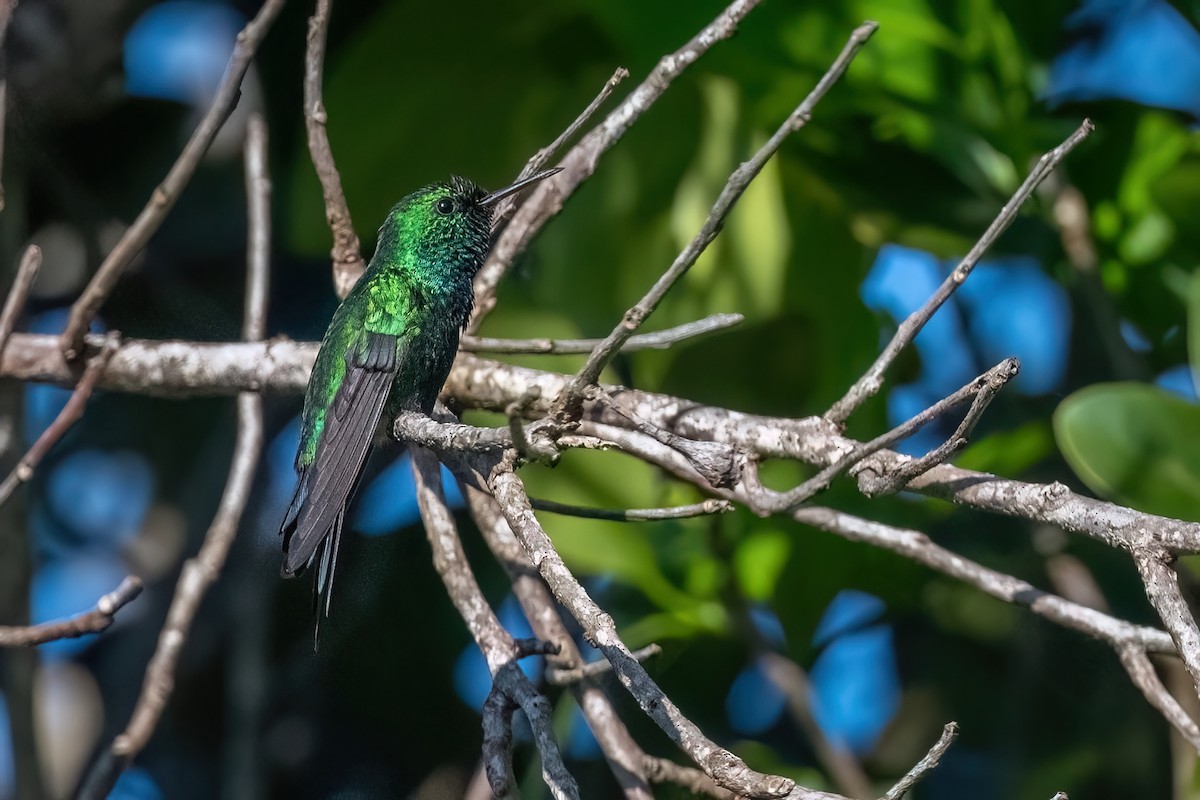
{"type": "Point", "coordinates": [446, 225]}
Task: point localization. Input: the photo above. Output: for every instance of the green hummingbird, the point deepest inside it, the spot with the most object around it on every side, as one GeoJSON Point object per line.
{"type": "Point", "coordinates": [389, 348]}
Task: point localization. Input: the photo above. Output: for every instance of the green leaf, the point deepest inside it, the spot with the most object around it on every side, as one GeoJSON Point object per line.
{"type": "Point", "coordinates": [759, 561]}
{"type": "Point", "coordinates": [1134, 443]}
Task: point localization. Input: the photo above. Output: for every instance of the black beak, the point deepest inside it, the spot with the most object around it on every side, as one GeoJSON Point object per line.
{"type": "Point", "coordinates": [500, 194]}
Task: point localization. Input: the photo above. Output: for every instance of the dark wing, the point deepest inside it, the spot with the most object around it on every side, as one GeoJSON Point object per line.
{"type": "Point", "coordinates": [328, 483]}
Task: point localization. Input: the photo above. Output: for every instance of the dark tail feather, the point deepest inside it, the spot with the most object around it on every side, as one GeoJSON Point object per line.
{"type": "Point", "coordinates": [323, 578]}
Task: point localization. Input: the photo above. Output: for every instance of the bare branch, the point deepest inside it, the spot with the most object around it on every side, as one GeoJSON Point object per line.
{"type": "Point", "coordinates": [1162, 588]}
{"type": "Point", "coordinates": [70, 414]}
{"type": "Point", "coordinates": [659, 340]}
{"type": "Point", "coordinates": [724, 767]}
{"type": "Point", "coordinates": [94, 621]}
{"type": "Point", "coordinates": [347, 257]}
{"type": "Point", "coordinates": [872, 380]}
{"type": "Point", "coordinates": [926, 764]}
{"type": "Point", "coordinates": [164, 196]}
{"type": "Point", "coordinates": [499, 649]}
{"type": "Point", "coordinates": [594, 669]}
{"type": "Point", "coordinates": [700, 509]}
{"type": "Point", "coordinates": [1141, 672]}
{"type": "Point", "coordinates": [570, 404]}
{"type": "Point", "coordinates": [618, 746]}
{"type": "Point", "coordinates": [497, 717]}
{"type": "Point", "coordinates": [258, 244]}
{"type": "Point", "coordinates": [580, 162]}
{"type": "Point", "coordinates": [980, 391]}
{"type": "Point", "coordinates": [27, 271]}
{"type": "Point", "coordinates": [918, 547]}
{"type": "Point", "coordinates": [661, 770]}
{"type": "Point", "coordinates": [174, 368]}
{"type": "Point", "coordinates": [481, 383]}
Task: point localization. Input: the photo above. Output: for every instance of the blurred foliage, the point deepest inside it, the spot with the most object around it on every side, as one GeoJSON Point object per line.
{"type": "Point", "coordinates": [936, 123]}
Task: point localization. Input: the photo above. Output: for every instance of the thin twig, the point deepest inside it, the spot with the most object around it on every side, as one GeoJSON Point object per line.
{"type": "Point", "coordinates": [980, 391]}
{"type": "Point", "coordinates": [661, 770]}
{"type": "Point", "coordinates": [896, 479]}
{"type": "Point", "coordinates": [542, 157]}
{"type": "Point", "coordinates": [701, 509]}
{"type": "Point", "coordinates": [164, 196]}
{"type": "Point", "coordinates": [580, 161]}
{"type": "Point", "coordinates": [926, 764]}
{"type": "Point", "coordinates": [659, 340]}
{"type": "Point", "coordinates": [68, 416]}
{"type": "Point", "coordinates": [569, 406]}
{"type": "Point", "coordinates": [347, 257]}
{"type": "Point", "coordinates": [872, 380]}
{"type": "Point", "coordinates": [14, 304]}
{"type": "Point", "coordinates": [722, 465]}
{"type": "Point", "coordinates": [594, 669]}
{"type": "Point", "coordinates": [94, 621]}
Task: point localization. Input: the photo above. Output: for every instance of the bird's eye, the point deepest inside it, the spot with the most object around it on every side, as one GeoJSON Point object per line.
{"type": "Point", "coordinates": [445, 205]}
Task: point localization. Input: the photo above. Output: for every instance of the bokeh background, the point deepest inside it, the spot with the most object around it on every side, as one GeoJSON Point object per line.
{"type": "Point", "coordinates": [846, 231]}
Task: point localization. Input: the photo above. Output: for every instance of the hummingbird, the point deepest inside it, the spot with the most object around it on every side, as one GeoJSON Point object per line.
{"type": "Point", "coordinates": [388, 348]}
